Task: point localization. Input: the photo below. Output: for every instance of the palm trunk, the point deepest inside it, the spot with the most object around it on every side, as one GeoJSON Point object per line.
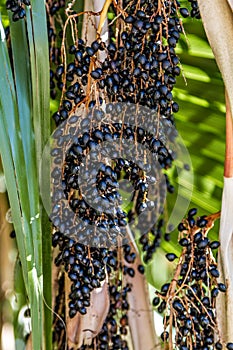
{"type": "Point", "coordinates": [225, 264]}
{"type": "Point", "coordinates": [219, 33]}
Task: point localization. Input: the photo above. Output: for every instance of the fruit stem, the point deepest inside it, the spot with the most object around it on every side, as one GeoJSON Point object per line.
{"type": "Point", "coordinates": [103, 16]}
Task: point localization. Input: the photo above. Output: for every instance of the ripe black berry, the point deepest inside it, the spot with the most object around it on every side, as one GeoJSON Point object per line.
{"type": "Point", "coordinates": [164, 336]}
{"type": "Point", "coordinates": [184, 12]}
{"type": "Point", "coordinates": [171, 256]}
{"type": "Point", "coordinates": [222, 287]}
{"type": "Point", "coordinates": [214, 245]}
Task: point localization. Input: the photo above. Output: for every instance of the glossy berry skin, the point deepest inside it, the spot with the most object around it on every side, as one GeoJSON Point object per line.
{"type": "Point", "coordinates": [184, 12]}
{"type": "Point", "coordinates": [214, 245]}
{"type": "Point", "coordinates": [171, 256]}
{"type": "Point", "coordinates": [192, 212]}
{"type": "Point", "coordinates": [222, 287]}
{"type": "Point", "coordinates": [156, 301]}
{"type": "Point", "coordinates": [141, 269]}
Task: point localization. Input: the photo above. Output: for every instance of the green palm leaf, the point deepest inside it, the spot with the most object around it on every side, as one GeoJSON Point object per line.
{"type": "Point", "coordinates": [24, 107]}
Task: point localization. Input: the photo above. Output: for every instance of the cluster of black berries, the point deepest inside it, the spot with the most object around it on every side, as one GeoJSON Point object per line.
{"type": "Point", "coordinates": [138, 68]}
{"type": "Point", "coordinates": [195, 11]}
{"type": "Point", "coordinates": [55, 12]}
{"type": "Point", "coordinates": [92, 187]}
{"type": "Point", "coordinates": [151, 241]}
{"type": "Point", "coordinates": [85, 253]}
{"type": "Point", "coordinates": [75, 77]}
{"type": "Point", "coordinates": [87, 267]}
{"type": "Point", "coordinates": [189, 301]}
{"type": "Point", "coordinates": [140, 65]}
{"type": "Point", "coordinates": [17, 8]}
{"type": "Point", "coordinates": [55, 6]}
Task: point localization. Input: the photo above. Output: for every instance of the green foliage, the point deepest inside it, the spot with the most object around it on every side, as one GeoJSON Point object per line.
{"type": "Point", "coordinates": [24, 124]}
{"type": "Point", "coordinates": [201, 119]}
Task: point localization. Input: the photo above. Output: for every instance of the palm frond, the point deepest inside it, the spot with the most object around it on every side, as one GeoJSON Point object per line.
{"type": "Point", "coordinates": [24, 107]}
